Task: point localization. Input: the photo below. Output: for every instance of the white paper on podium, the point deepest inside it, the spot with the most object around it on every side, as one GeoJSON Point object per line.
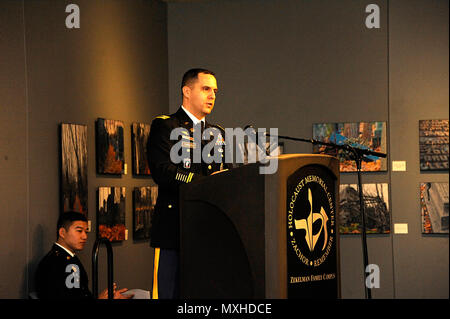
{"type": "Point", "coordinates": [138, 293]}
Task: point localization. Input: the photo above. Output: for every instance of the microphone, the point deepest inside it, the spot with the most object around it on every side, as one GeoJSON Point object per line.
{"type": "Point", "coordinates": [253, 137]}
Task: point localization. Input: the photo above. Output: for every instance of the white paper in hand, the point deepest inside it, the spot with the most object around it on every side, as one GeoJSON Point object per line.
{"type": "Point", "coordinates": [138, 293]}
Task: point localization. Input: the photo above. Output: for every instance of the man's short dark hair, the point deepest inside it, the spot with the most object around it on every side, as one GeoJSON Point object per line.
{"type": "Point", "coordinates": [67, 218]}
{"type": "Point", "coordinates": [192, 75]}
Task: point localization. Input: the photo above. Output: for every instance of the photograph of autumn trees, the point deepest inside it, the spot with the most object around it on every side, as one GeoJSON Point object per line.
{"type": "Point", "coordinates": [74, 168]}
{"type": "Point", "coordinates": [111, 213]}
{"type": "Point", "coordinates": [139, 137]}
{"type": "Point", "coordinates": [144, 200]}
{"type": "Point", "coordinates": [109, 146]}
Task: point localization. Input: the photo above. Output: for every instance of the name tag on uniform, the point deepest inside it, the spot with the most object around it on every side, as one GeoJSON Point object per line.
{"type": "Point", "coordinates": [188, 144]}
{"type": "Point", "coordinates": [187, 137]}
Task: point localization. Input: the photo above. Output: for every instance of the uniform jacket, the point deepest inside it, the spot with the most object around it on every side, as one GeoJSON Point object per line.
{"type": "Point", "coordinates": [52, 274]}
{"type": "Point", "coordinates": [169, 175]}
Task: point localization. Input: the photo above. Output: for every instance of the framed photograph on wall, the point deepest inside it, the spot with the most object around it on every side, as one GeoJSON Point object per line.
{"type": "Point", "coordinates": [144, 201]}
{"type": "Point", "coordinates": [434, 208]}
{"type": "Point", "coordinates": [111, 213]}
{"type": "Point", "coordinates": [433, 145]}
{"type": "Point", "coordinates": [74, 168]}
{"type": "Point", "coordinates": [364, 135]}
{"type": "Point", "coordinates": [139, 138]}
{"type": "Point", "coordinates": [109, 146]}
{"type": "Point", "coordinates": [376, 207]}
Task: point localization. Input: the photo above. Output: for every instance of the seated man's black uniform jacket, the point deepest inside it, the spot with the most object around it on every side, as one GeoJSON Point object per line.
{"type": "Point", "coordinates": [169, 176]}
{"type": "Point", "coordinates": [51, 276]}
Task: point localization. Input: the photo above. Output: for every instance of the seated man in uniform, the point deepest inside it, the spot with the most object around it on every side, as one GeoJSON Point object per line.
{"type": "Point", "coordinates": [60, 274]}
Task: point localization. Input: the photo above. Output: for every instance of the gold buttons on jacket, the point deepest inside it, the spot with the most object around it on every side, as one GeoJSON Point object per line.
{"type": "Point", "coordinates": [209, 167]}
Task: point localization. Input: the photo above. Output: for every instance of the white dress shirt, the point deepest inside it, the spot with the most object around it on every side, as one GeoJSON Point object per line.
{"type": "Point", "coordinates": [192, 117]}
{"type": "Point", "coordinates": [68, 251]}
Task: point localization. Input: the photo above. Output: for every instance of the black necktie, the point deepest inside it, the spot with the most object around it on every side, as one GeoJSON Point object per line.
{"type": "Point", "coordinates": [202, 127]}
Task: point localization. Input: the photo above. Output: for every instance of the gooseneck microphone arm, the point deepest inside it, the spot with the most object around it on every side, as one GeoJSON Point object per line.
{"type": "Point", "coordinates": [356, 151]}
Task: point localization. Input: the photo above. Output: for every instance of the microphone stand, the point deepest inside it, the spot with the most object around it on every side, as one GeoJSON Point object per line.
{"type": "Point", "coordinates": [357, 155]}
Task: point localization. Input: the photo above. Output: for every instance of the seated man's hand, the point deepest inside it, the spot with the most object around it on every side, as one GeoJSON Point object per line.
{"type": "Point", "coordinates": [117, 294]}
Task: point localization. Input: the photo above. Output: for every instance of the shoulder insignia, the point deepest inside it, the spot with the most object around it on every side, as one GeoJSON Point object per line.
{"type": "Point", "coordinates": [164, 117]}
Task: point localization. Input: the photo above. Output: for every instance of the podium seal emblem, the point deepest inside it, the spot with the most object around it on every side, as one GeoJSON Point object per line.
{"type": "Point", "coordinates": [312, 238]}
{"type": "Point", "coordinates": [311, 219]}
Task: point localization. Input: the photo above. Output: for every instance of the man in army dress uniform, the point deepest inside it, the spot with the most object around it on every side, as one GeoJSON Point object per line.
{"type": "Point", "coordinates": [199, 89]}
{"type": "Point", "coordinates": [60, 274]}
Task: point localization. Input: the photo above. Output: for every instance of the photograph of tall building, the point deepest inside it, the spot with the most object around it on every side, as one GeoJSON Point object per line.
{"type": "Point", "coordinates": [433, 145]}
{"type": "Point", "coordinates": [434, 208]}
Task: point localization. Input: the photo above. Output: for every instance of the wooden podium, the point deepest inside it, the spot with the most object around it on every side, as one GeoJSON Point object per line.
{"type": "Point", "coordinates": [250, 235]}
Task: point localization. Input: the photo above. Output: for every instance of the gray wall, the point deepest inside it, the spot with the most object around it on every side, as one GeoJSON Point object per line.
{"type": "Point", "coordinates": [114, 67]}
{"type": "Point", "coordinates": [284, 64]}
{"type": "Point", "coordinates": [14, 204]}
{"type": "Point", "coordinates": [418, 90]}
{"type": "Point", "coordinates": [292, 63]}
